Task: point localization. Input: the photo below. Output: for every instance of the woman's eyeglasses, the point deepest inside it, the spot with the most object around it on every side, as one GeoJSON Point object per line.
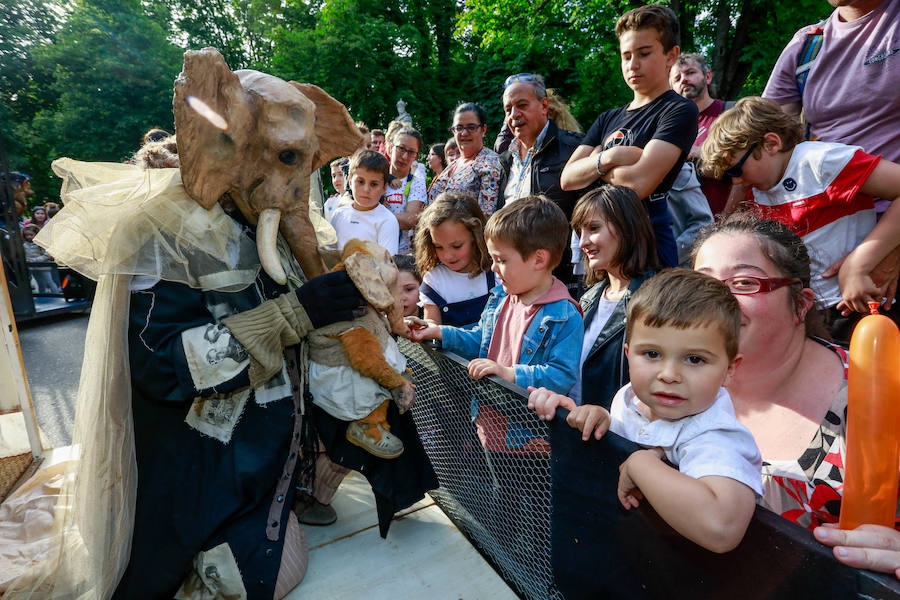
{"type": "Point", "coordinates": [745, 284]}
{"type": "Point", "coordinates": [523, 77]}
{"type": "Point", "coordinates": [738, 169]}
{"type": "Point", "coordinates": [471, 128]}
{"type": "Point", "coordinates": [401, 151]}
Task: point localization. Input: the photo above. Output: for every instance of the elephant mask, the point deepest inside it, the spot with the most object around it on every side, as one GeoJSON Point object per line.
{"type": "Point", "coordinates": [254, 139]}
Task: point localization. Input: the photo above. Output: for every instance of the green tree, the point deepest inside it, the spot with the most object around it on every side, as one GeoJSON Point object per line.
{"type": "Point", "coordinates": [239, 29]}
{"type": "Point", "coordinates": [24, 89]}
{"type": "Point", "coordinates": [573, 41]}
{"type": "Point", "coordinates": [112, 76]}
{"type": "Point", "coordinates": [368, 54]}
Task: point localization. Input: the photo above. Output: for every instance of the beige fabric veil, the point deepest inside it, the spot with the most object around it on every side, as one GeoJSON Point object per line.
{"type": "Point", "coordinates": [118, 221]}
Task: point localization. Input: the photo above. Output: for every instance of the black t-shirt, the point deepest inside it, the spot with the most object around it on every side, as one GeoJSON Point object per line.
{"type": "Point", "coordinates": [669, 117]}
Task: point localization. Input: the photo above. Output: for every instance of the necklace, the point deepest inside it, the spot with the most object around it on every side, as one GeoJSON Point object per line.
{"type": "Point", "coordinates": [614, 297]}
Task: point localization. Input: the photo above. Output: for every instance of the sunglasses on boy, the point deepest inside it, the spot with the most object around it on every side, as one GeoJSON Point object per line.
{"type": "Point", "coordinates": [523, 77]}
{"type": "Point", "coordinates": [738, 169]}
{"type": "Point", "coordinates": [746, 284]}
{"type": "Point", "coordinates": [471, 128]}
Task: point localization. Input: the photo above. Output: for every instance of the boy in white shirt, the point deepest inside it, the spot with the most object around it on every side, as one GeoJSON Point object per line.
{"type": "Point", "coordinates": [681, 342]}
{"type": "Point", "coordinates": [366, 218]}
{"type": "Point", "coordinates": [340, 187]}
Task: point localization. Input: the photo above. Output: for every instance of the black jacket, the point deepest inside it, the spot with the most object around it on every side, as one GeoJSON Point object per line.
{"type": "Point", "coordinates": [559, 144]}
{"type": "Point", "coordinates": [605, 369]}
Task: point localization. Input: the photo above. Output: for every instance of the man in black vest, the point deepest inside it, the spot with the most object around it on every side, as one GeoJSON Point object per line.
{"type": "Point", "coordinates": [536, 156]}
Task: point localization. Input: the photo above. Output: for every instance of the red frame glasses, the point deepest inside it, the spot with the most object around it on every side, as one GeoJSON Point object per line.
{"type": "Point", "coordinates": [758, 285]}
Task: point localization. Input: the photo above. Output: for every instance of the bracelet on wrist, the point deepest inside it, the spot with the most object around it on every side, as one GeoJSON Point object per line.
{"type": "Point", "coordinates": [600, 172]}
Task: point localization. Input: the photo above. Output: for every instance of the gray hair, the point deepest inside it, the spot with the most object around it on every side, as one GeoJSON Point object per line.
{"type": "Point", "coordinates": [696, 57]}
{"type": "Point", "coordinates": [539, 86]}
{"type": "Point", "coordinates": [536, 82]}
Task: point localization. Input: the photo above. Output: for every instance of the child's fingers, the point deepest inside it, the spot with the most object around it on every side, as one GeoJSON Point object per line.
{"type": "Point", "coordinates": [575, 419]}
{"type": "Point", "coordinates": [889, 294]}
{"type": "Point", "coordinates": [590, 423]}
{"type": "Point", "coordinates": [473, 370]}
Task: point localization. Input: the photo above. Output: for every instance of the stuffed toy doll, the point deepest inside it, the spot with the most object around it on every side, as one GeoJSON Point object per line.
{"type": "Point", "coordinates": [356, 367]}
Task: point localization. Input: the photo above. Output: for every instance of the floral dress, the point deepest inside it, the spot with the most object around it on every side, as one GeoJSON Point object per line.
{"type": "Point", "coordinates": [808, 490]}
{"type": "Point", "coordinates": [481, 178]}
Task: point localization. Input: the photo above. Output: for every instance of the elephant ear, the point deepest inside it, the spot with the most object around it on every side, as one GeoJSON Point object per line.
{"type": "Point", "coordinates": [338, 134]}
{"type": "Point", "coordinates": [212, 132]}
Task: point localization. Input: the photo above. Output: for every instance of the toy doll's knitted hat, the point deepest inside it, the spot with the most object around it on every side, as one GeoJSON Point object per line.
{"type": "Point", "coordinates": [372, 271]}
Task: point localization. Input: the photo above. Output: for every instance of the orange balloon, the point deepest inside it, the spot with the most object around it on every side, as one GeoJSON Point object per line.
{"type": "Point", "coordinates": [873, 424]}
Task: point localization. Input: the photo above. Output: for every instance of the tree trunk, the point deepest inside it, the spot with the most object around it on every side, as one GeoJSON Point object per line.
{"type": "Point", "coordinates": [718, 59]}
{"type": "Point", "coordinates": [734, 71]}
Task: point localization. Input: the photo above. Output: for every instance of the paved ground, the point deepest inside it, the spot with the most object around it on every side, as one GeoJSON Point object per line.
{"type": "Point", "coordinates": [53, 349]}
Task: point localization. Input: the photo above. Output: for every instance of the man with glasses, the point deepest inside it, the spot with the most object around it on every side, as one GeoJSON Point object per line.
{"type": "Point", "coordinates": [643, 144]}
{"type": "Point", "coordinates": [538, 152]}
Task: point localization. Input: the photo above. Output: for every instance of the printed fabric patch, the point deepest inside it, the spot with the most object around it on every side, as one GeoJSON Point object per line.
{"type": "Point", "coordinates": [213, 355]}
{"type": "Point", "coordinates": [216, 417]}
{"type": "Point", "coordinates": [214, 576]}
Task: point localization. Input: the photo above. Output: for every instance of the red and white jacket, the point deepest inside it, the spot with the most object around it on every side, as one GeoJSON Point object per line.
{"type": "Point", "coordinates": [819, 199]}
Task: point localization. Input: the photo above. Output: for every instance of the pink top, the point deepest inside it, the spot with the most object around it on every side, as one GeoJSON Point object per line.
{"type": "Point", "coordinates": [513, 322]}
{"type": "Point", "coordinates": [715, 190]}
{"type": "Point", "coordinates": [851, 92]}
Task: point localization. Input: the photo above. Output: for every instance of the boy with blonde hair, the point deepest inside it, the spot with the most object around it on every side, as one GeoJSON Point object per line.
{"type": "Point", "coordinates": [682, 348]}
{"type": "Point", "coordinates": [823, 191]}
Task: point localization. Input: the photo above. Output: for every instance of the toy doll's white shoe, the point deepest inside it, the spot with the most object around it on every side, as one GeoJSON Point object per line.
{"type": "Point", "coordinates": [390, 445]}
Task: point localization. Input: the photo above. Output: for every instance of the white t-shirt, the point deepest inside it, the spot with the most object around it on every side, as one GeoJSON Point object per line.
{"type": "Point", "coordinates": [712, 442]}
{"type": "Point", "coordinates": [605, 310]}
{"type": "Point", "coordinates": [453, 286]}
{"type": "Point", "coordinates": [396, 200]}
{"type": "Point", "coordinates": [378, 225]}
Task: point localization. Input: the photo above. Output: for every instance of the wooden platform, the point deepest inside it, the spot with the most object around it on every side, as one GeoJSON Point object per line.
{"type": "Point", "coordinates": [424, 555]}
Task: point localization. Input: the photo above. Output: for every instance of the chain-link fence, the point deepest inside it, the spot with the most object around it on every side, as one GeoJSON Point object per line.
{"type": "Point", "coordinates": [492, 459]}
{"type": "Point", "coordinates": [491, 455]}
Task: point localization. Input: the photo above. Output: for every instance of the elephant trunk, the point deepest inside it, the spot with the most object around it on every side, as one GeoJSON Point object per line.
{"type": "Point", "coordinates": [300, 234]}
{"type": "Point", "coordinates": [266, 244]}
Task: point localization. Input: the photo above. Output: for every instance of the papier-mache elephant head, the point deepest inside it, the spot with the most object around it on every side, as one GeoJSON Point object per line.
{"type": "Point", "coordinates": [255, 139]}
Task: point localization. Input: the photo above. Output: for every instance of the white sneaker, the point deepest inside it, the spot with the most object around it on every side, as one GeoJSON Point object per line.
{"type": "Point", "coordinates": [390, 445]}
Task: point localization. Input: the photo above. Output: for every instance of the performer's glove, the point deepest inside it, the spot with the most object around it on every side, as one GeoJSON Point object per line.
{"type": "Point", "coordinates": [265, 331]}
{"type": "Point", "coordinates": [330, 298]}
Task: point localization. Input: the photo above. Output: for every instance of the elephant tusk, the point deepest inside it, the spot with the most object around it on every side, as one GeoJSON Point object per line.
{"type": "Point", "coordinates": [266, 239]}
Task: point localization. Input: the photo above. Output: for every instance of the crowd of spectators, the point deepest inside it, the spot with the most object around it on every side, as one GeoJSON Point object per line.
{"type": "Point", "coordinates": [529, 259]}
{"type": "Point", "coordinates": [641, 188]}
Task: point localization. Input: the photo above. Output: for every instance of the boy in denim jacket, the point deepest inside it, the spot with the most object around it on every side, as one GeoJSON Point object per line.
{"type": "Point", "coordinates": [530, 333]}
{"type": "Point", "coordinates": [531, 329]}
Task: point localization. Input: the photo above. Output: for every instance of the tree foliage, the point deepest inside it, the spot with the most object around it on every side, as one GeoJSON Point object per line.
{"type": "Point", "coordinates": [85, 78]}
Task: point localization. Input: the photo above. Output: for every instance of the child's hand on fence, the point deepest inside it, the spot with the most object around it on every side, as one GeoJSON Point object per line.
{"type": "Point", "coordinates": [482, 367]}
{"type": "Point", "coordinates": [544, 402]}
{"type": "Point", "coordinates": [628, 493]}
{"type": "Point", "coordinates": [589, 419]}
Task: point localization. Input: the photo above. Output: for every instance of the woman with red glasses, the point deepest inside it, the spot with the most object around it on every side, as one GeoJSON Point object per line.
{"type": "Point", "coordinates": [477, 170]}
{"type": "Point", "coordinates": [790, 389]}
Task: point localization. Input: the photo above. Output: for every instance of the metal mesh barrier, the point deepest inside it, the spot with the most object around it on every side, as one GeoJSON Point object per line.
{"type": "Point", "coordinates": [492, 459]}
